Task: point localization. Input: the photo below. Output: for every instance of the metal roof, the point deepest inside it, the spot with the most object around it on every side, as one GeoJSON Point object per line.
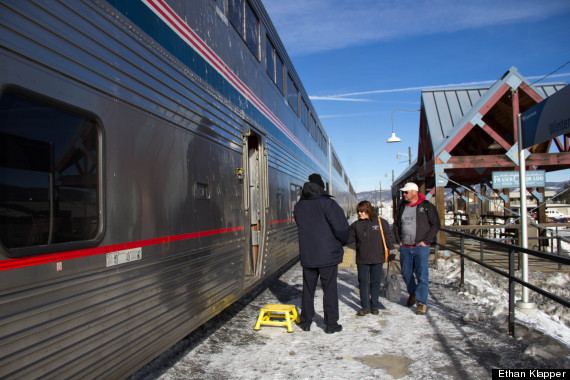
{"type": "Point", "coordinates": [448, 110]}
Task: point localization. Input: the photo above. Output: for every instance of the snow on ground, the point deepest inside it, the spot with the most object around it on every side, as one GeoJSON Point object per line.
{"type": "Point", "coordinates": [464, 334]}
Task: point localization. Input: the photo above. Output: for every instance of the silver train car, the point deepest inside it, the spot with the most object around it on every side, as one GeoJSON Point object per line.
{"type": "Point", "coordinates": [151, 155]}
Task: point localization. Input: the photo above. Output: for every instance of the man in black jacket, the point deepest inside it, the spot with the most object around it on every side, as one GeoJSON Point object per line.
{"type": "Point", "coordinates": [323, 229]}
{"type": "Point", "coordinates": [415, 227]}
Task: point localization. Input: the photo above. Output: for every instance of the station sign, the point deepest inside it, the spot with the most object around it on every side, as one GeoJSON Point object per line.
{"type": "Point", "coordinates": [503, 180]}
{"type": "Point", "coordinates": [546, 120]}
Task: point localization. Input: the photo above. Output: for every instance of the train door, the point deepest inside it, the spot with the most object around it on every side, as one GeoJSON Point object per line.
{"type": "Point", "coordinates": [256, 202]}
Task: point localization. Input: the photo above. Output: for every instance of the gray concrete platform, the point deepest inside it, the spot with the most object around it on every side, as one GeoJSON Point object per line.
{"type": "Point", "coordinates": [396, 344]}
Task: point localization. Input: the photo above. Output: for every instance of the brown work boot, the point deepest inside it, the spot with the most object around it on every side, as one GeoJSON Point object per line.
{"type": "Point", "coordinates": [363, 312]}
{"type": "Point", "coordinates": [411, 300]}
{"type": "Point", "coordinates": [375, 311]}
{"type": "Point", "coordinates": [421, 309]}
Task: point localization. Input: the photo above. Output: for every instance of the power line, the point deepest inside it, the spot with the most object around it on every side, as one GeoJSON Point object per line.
{"type": "Point", "coordinates": [546, 76]}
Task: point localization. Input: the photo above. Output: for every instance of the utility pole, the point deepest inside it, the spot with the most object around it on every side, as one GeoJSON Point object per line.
{"type": "Point", "coordinates": [381, 205]}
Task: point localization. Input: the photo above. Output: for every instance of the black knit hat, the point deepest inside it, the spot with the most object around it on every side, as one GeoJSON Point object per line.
{"type": "Point", "coordinates": [315, 178]}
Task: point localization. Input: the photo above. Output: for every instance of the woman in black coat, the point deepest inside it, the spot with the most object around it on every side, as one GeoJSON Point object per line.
{"type": "Point", "coordinates": [370, 254]}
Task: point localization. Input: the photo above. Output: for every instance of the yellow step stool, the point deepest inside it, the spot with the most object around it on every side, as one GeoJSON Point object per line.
{"type": "Point", "coordinates": [286, 313]}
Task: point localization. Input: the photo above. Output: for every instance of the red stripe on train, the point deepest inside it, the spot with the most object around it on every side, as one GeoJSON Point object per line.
{"type": "Point", "coordinates": [69, 255]}
{"type": "Point", "coordinates": [281, 221]}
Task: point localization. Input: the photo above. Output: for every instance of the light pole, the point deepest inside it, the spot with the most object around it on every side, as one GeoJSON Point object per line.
{"type": "Point", "coordinates": [394, 138]}
{"type": "Point", "coordinates": [399, 155]}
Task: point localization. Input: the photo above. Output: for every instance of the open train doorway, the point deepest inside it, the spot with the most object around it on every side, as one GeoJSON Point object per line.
{"type": "Point", "coordinates": [255, 192]}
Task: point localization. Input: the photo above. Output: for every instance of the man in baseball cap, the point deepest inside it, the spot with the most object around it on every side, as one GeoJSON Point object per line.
{"type": "Point", "coordinates": [416, 223]}
{"type": "Point", "coordinates": [410, 186]}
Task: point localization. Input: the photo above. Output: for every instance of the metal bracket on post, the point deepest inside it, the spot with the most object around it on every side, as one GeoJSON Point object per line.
{"type": "Point", "coordinates": [513, 153]}
{"type": "Point", "coordinates": [441, 180]}
{"type": "Point", "coordinates": [504, 197]}
{"type": "Point", "coordinates": [537, 195]}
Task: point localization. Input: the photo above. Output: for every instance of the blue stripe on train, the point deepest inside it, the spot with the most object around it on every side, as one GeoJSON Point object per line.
{"type": "Point", "coordinates": [152, 25]}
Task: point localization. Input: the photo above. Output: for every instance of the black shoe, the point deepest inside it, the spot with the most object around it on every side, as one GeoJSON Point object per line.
{"type": "Point", "coordinates": [363, 312]}
{"type": "Point", "coordinates": [304, 327]}
{"type": "Point", "coordinates": [375, 311]}
{"type": "Point", "coordinates": [411, 300]}
{"type": "Point", "coordinates": [332, 330]}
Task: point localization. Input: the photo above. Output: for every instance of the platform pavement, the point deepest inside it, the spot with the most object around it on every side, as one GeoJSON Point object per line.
{"type": "Point", "coordinates": [396, 344]}
{"type": "Point", "coordinates": [348, 260]}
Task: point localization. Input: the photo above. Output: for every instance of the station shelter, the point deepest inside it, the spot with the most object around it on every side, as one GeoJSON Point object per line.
{"type": "Point", "coordinates": [466, 134]}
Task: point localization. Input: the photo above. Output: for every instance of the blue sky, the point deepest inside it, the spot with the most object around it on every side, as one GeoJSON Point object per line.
{"type": "Point", "coordinates": [361, 59]}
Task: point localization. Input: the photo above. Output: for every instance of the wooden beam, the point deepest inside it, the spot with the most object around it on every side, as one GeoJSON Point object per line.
{"type": "Point", "coordinates": [531, 93]}
{"type": "Point", "coordinates": [501, 141]}
{"type": "Point", "coordinates": [541, 159]}
{"type": "Point", "coordinates": [440, 207]}
{"type": "Point", "coordinates": [487, 161]}
{"type": "Point", "coordinates": [496, 97]}
{"type": "Point", "coordinates": [516, 111]}
{"type": "Point", "coordinates": [457, 139]}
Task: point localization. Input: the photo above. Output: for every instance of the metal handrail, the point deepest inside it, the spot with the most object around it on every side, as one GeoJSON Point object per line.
{"type": "Point", "coordinates": [512, 279]}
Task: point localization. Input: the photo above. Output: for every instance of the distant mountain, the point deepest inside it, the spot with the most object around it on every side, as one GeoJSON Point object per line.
{"type": "Point", "coordinates": [372, 195]}
{"type": "Point", "coordinates": [556, 185]}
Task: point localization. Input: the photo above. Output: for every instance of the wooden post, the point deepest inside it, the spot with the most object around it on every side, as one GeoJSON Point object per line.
{"type": "Point", "coordinates": [507, 204]}
{"type": "Point", "coordinates": [484, 206]}
{"type": "Point", "coordinates": [440, 206]}
{"type": "Point", "coordinates": [542, 218]}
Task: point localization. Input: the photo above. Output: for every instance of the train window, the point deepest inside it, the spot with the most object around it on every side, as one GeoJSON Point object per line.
{"type": "Point", "coordinates": [252, 30]}
{"type": "Point", "coordinates": [279, 72]}
{"type": "Point", "coordinates": [245, 21]}
{"type": "Point", "coordinates": [324, 144]}
{"type": "Point", "coordinates": [49, 174]}
{"type": "Point", "coordinates": [292, 94]}
{"type": "Point", "coordinates": [235, 13]}
{"type": "Point", "coordinates": [295, 99]}
{"type": "Point", "coordinates": [270, 59]}
{"type": "Point", "coordinates": [313, 126]}
{"type": "Point", "coordinates": [295, 195]}
{"type": "Point", "coordinates": [273, 64]}
{"type": "Point", "coordinates": [336, 164]}
{"type": "Point", "coordinates": [304, 113]}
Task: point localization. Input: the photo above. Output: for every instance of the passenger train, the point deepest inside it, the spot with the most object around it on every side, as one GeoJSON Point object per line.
{"type": "Point", "coordinates": [151, 155]}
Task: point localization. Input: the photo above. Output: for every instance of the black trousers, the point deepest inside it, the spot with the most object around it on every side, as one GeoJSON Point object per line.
{"type": "Point", "coordinates": [328, 277]}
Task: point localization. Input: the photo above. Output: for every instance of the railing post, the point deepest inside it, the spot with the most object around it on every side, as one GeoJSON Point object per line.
{"type": "Point", "coordinates": [558, 247]}
{"type": "Point", "coordinates": [436, 248]}
{"type": "Point", "coordinates": [481, 247]}
{"type": "Point", "coordinates": [462, 282]}
{"type": "Point", "coordinates": [511, 292]}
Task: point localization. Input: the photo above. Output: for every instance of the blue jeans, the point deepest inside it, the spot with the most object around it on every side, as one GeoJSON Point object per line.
{"type": "Point", "coordinates": [414, 261]}
{"type": "Point", "coordinates": [369, 276]}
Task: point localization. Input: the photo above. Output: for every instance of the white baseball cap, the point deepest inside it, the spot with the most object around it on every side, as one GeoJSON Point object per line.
{"type": "Point", "coordinates": [409, 186]}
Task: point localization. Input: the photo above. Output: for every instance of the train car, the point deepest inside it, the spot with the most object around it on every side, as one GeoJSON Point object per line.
{"type": "Point", "coordinates": [151, 155]}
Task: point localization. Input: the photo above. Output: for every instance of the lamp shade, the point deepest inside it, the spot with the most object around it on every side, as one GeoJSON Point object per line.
{"type": "Point", "coordinates": [394, 138]}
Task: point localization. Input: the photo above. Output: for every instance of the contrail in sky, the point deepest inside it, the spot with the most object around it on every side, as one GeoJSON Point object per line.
{"type": "Point", "coordinates": [346, 97]}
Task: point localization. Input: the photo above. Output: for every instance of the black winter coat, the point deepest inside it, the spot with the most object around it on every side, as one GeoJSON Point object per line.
{"type": "Point", "coordinates": [427, 222]}
{"type": "Point", "coordinates": [369, 247]}
{"type": "Point", "coordinates": [322, 228]}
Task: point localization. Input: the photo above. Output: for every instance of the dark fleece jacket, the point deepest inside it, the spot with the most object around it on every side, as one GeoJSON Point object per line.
{"type": "Point", "coordinates": [367, 236]}
{"type": "Point", "coordinates": [322, 228]}
{"type": "Point", "coordinates": [427, 221]}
